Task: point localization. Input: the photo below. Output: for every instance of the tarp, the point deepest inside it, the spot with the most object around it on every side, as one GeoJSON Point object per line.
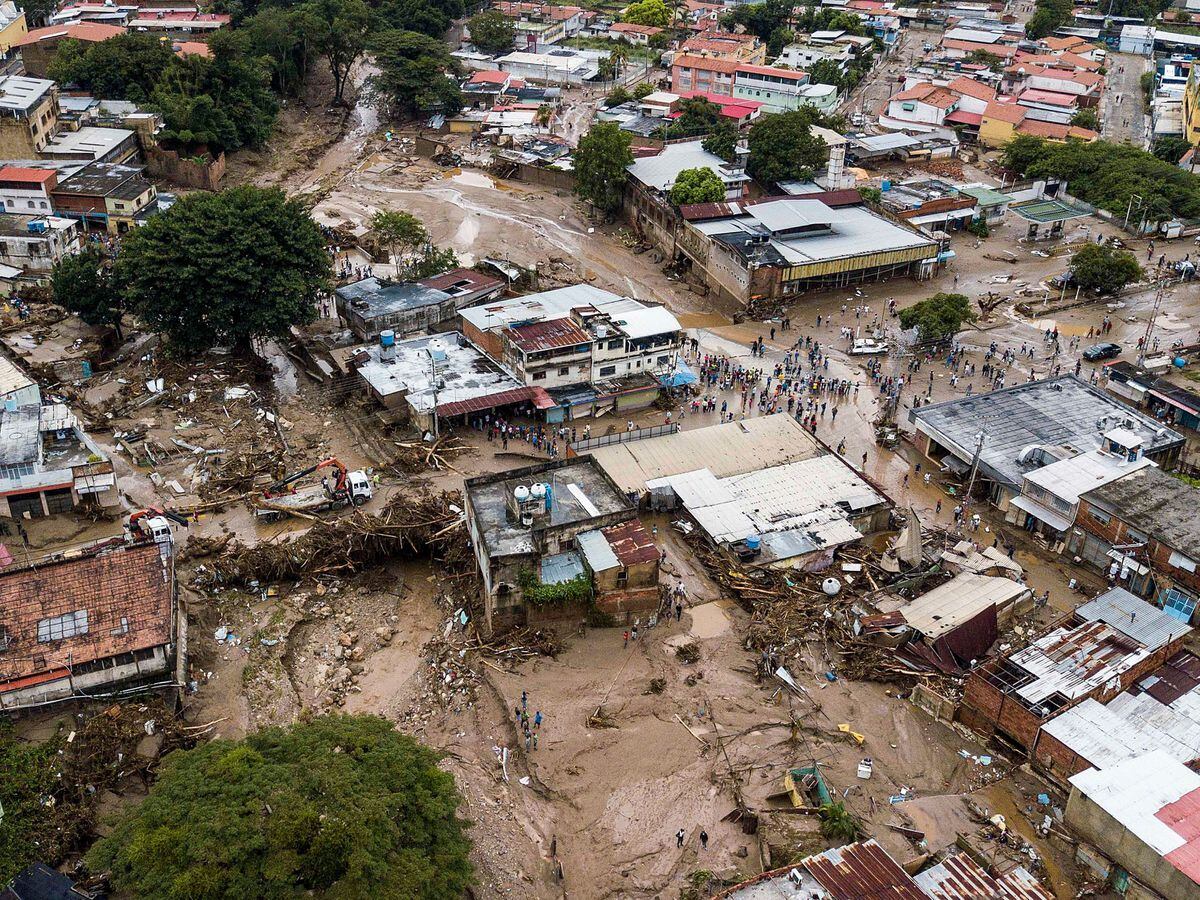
{"type": "Point", "coordinates": [682, 375]}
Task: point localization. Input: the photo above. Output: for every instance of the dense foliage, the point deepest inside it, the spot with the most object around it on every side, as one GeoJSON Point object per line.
{"type": "Point", "coordinates": [1109, 176]}
{"type": "Point", "coordinates": [722, 140]}
{"type": "Point", "coordinates": [492, 31]}
{"type": "Point", "coordinates": [1048, 17]}
{"type": "Point", "coordinates": [701, 185]}
{"type": "Point", "coordinates": [1085, 117]}
{"type": "Point", "coordinates": [225, 268]}
{"type": "Point", "coordinates": [562, 593]}
{"type": "Point", "coordinates": [338, 807]}
{"type": "Point", "coordinates": [28, 775]}
{"type": "Point", "coordinates": [600, 161]}
{"type": "Point", "coordinates": [653, 13]}
{"type": "Point", "coordinates": [783, 147]}
{"type": "Point", "coordinates": [939, 317]}
{"type": "Point", "coordinates": [697, 116]}
{"type": "Point", "coordinates": [415, 74]}
{"type": "Point", "coordinates": [221, 102]}
{"type": "Point", "coordinates": [1102, 269]}
{"type": "Point", "coordinates": [84, 285]}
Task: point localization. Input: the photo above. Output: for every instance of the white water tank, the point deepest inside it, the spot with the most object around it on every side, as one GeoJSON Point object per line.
{"type": "Point", "coordinates": [521, 493]}
{"type": "Point", "coordinates": [831, 586]}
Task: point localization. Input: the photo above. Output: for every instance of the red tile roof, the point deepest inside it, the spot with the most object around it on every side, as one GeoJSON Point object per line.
{"type": "Point", "coordinates": [549, 334]}
{"type": "Point", "coordinates": [21, 173]}
{"type": "Point", "coordinates": [631, 28]}
{"type": "Point", "coordinates": [132, 584]}
{"type": "Point", "coordinates": [789, 74]}
{"type": "Point", "coordinates": [706, 64]}
{"type": "Point", "coordinates": [962, 117]}
{"type": "Point", "coordinates": [1054, 131]}
{"type": "Point", "coordinates": [490, 77]}
{"type": "Point", "coordinates": [1005, 112]}
{"type": "Point", "coordinates": [476, 281]}
{"type": "Point", "coordinates": [972, 88]}
{"type": "Point", "coordinates": [84, 31]}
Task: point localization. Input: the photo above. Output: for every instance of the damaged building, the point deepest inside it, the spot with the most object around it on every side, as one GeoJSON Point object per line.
{"type": "Point", "coordinates": [1097, 651]}
{"type": "Point", "coordinates": [765, 489]}
{"type": "Point", "coordinates": [90, 627]}
{"type": "Point", "coordinates": [553, 540]}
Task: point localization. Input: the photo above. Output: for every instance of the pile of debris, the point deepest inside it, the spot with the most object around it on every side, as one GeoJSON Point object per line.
{"type": "Point", "coordinates": [417, 456]}
{"type": "Point", "coordinates": [429, 526]}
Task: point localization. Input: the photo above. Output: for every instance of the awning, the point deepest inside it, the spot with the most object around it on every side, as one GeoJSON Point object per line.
{"type": "Point", "coordinates": [681, 375]}
{"type": "Point", "coordinates": [535, 395]}
{"type": "Point", "coordinates": [1035, 509]}
{"type": "Point", "coordinates": [94, 484]}
{"type": "Point", "coordinates": [1128, 562]}
{"type": "Point", "coordinates": [956, 465]}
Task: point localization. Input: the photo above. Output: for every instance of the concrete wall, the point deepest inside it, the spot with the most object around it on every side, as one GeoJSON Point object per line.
{"type": "Point", "coordinates": [185, 172]}
{"type": "Point", "coordinates": [100, 681]}
{"type": "Point", "coordinates": [1114, 531]}
{"type": "Point", "coordinates": [1097, 827]}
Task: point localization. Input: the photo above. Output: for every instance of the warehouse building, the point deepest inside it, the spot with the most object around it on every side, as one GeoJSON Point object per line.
{"type": "Point", "coordinates": [779, 247]}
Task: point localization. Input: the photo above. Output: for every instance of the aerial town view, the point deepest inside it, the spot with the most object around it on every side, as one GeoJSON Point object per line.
{"type": "Point", "coordinates": [681, 449]}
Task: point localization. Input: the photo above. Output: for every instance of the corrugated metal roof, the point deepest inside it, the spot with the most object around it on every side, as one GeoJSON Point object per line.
{"type": "Point", "coordinates": [959, 877]}
{"type": "Point", "coordinates": [959, 600]}
{"type": "Point", "coordinates": [729, 449]}
{"type": "Point", "coordinates": [596, 550]}
{"type": "Point", "coordinates": [547, 335]}
{"type": "Point", "coordinates": [862, 870]}
{"type": "Point", "coordinates": [1074, 661]}
{"type": "Point", "coordinates": [561, 567]}
{"type": "Point", "coordinates": [631, 542]}
{"type": "Point", "coordinates": [1133, 617]}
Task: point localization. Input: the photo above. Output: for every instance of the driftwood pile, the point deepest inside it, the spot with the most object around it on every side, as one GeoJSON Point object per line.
{"type": "Point", "coordinates": [428, 526]}
{"type": "Point", "coordinates": [417, 456]}
{"type": "Point", "coordinates": [791, 611]}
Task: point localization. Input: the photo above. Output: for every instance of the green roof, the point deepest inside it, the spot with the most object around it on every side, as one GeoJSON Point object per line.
{"type": "Point", "coordinates": [985, 195]}
{"type": "Point", "coordinates": [1043, 211]}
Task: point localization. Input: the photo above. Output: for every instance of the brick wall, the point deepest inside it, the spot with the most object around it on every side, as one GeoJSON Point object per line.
{"type": "Point", "coordinates": [1056, 760]}
{"type": "Point", "coordinates": [1115, 531]}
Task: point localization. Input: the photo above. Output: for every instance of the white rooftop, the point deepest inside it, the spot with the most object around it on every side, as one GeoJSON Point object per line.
{"type": "Point", "coordinates": [633, 318]}
{"type": "Point", "coordinates": [1134, 790]}
{"type": "Point", "coordinates": [959, 600]}
{"type": "Point", "coordinates": [1068, 478]}
{"type": "Point", "coordinates": [20, 92]}
{"type": "Point", "coordinates": [464, 372]}
{"type": "Point", "coordinates": [91, 139]}
{"type": "Point", "coordinates": [661, 171]}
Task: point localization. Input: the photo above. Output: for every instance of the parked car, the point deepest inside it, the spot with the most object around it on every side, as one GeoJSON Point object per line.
{"type": "Point", "coordinates": [1097, 352]}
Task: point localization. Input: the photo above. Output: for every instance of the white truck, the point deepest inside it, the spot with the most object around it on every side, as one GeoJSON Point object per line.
{"type": "Point", "coordinates": [282, 499]}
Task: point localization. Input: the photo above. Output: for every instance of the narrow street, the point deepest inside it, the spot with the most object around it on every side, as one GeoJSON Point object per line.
{"type": "Point", "coordinates": [1123, 113]}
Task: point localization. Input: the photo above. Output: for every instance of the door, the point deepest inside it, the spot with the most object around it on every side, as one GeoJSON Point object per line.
{"type": "Point", "coordinates": [26, 503]}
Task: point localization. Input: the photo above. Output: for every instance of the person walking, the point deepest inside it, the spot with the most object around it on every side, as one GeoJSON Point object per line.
{"type": "Point", "coordinates": [626, 636]}
{"type": "Point", "coordinates": [679, 835]}
{"type": "Point", "coordinates": [703, 839]}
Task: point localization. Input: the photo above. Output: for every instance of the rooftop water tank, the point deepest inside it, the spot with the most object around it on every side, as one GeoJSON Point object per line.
{"type": "Point", "coordinates": [521, 493]}
{"type": "Point", "coordinates": [753, 542]}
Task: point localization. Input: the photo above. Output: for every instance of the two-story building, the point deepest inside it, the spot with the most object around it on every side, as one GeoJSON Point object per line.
{"type": "Point", "coordinates": [12, 31]}
{"type": "Point", "coordinates": [1143, 530]}
{"type": "Point", "coordinates": [105, 196]}
{"type": "Point", "coordinates": [28, 115]}
{"type": "Point", "coordinates": [27, 191]}
{"type": "Point", "coordinates": [90, 626]}
{"type": "Point", "coordinates": [375, 304]}
{"type": "Point", "coordinates": [35, 243]}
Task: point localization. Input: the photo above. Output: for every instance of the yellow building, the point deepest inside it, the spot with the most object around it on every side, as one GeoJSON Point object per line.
{"type": "Point", "coordinates": [1002, 122]}
{"type": "Point", "coordinates": [1191, 108]}
{"type": "Point", "coordinates": [12, 29]}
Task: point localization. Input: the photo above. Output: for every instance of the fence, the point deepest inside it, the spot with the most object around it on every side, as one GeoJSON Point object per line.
{"type": "Point", "coordinates": [623, 437]}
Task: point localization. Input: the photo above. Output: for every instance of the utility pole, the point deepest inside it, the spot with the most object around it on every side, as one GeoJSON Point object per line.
{"type": "Point", "coordinates": [974, 464]}
{"type": "Point", "coordinates": [1148, 334]}
{"type": "Point", "coordinates": [433, 380]}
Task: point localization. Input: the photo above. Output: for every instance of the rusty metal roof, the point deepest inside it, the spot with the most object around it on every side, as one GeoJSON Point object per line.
{"type": "Point", "coordinates": [547, 335]}
{"type": "Point", "coordinates": [960, 878]}
{"type": "Point", "coordinates": [862, 871]}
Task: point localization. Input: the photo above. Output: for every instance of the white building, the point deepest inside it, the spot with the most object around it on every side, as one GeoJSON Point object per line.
{"type": "Point", "coordinates": [1137, 39]}
{"type": "Point", "coordinates": [35, 243]}
{"type": "Point", "coordinates": [571, 67]}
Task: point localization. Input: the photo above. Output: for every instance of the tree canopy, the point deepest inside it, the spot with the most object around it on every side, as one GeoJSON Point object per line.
{"type": "Point", "coordinates": [1103, 269]}
{"type": "Point", "coordinates": [1048, 17]}
{"type": "Point", "coordinates": [414, 76]}
{"type": "Point", "coordinates": [225, 268]}
{"type": "Point", "coordinates": [600, 161]}
{"type": "Point", "coordinates": [653, 13]}
{"type": "Point", "coordinates": [492, 31]}
{"type": "Point", "coordinates": [939, 317]}
{"type": "Point", "coordinates": [84, 285]}
{"type": "Point", "coordinates": [125, 67]}
{"type": "Point", "coordinates": [1109, 176]}
{"type": "Point", "coordinates": [338, 807]}
{"type": "Point", "coordinates": [701, 185]}
{"type": "Point", "coordinates": [401, 232]}
{"type": "Point", "coordinates": [722, 140]}
{"type": "Point", "coordinates": [697, 116]}
{"type": "Point", "coordinates": [783, 147]}
{"type": "Point", "coordinates": [338, 30]}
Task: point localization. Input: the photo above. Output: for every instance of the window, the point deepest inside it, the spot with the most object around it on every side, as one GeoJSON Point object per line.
{"type": "Point", "coordinates": [1178, 605]}
{"type": "Point", "coordinates": [58, 628]}
{"type": "Point", "coordinates": [607, 370]}
{"type": "Point", "coordinates": [1179, 561]}
{"type": "Point", "coordinates": [614, 345]}
{"type": "Point", "coordinates": [539, 376]}
{"type": "Point", "coordinates": [664, 360]}
{"type": "Point", "coordinates": [16, 470]}
{"type": "Point", "coordinates": [564, 370]}
{"type": "Point", "coordinates": [1102, 517]}
{"type": "Point", "coordinates": [3, 638]}
{"type": "Point", "coordinates": [123, 628]}
{"type": "Point", "coordinates": [32, 205]}
{"type": "Point", "coordinates": [42, 204]}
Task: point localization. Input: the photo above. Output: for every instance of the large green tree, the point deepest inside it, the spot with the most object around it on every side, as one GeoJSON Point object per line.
{"type": "Point", "coordinates": [225, 268]}
{"type": "Point", "coordinates": [414, 74]}
{"type": "Point", "coordinates": [431, 18]}
{"type": "Point", "coordinates": [1104, 269]}
{"type": "Point", "coordinates": [653, 13]}
{"type": "Point", "coordinates": [697, 116]}
{"type": "Point", "coordinates": [701, 185]}
{"type": "Point", "coordinates": [84, 285]}
{"type": "Point", "coordinates": [600, 166]}
{"type": "Point", "coordinates": [338, 31]}
{"type": "Point", "coordinates": [1117, 177]}
{"type": "Point", "coordinates": [492, 31]}
{"type": "Point", "coordinates": [125, 67]}
{"type": "Point", "coordinates": [280, 38]}
{"type": "Point", "coordinates": [339, 807]}
{"type": "Point", "coordinates": [783, 147]}
{"type": "Point", "coordinates": [939, 317]}
{"type": "Point", "coordinates": [401, 232]}
{"type": "Point", "coordinates": [722, 140]}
